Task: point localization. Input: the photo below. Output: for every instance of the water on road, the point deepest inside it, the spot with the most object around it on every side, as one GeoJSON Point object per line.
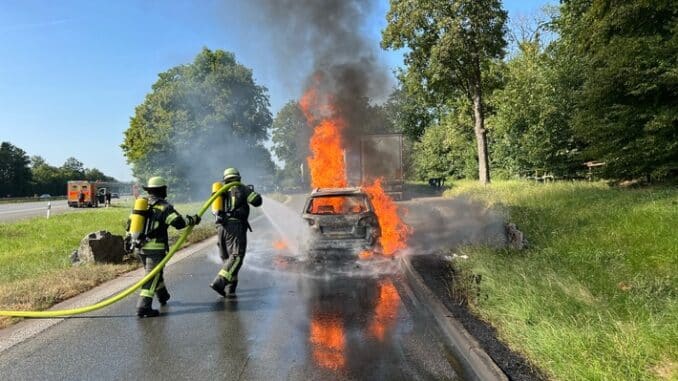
{"type": "Point", "coordinates": [291, 321]}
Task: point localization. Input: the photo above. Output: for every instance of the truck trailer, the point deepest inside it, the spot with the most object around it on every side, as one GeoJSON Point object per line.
{"type": "Point", "coordinates": [83, 194]}
{"type": "Point", "coordinates": [381, 156]}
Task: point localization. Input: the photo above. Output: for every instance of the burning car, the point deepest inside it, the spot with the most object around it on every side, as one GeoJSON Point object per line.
{"type": "Point", "coordinates": [340, 221]}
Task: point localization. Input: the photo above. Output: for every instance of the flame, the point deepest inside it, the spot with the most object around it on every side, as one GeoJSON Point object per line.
{"type": "Point", "coordinates": [394, 232]}
{"type": "Point", "coordinates": [386, 311]}
{"type": "Point", "coordinates": [365, 255]}
{"type": "Point", "coordinates": [327, 165]}
{"type": "Point", "coordinates": [280, 244]}
{"type": "Point", "coordinates": [328, 341]}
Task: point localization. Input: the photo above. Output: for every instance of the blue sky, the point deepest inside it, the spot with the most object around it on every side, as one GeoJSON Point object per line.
{"type": "Point", "coordinates": [72, 72]}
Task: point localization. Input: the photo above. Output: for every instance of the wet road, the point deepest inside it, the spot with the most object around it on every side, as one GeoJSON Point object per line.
{"type": "Point", "coordinates": [289, 322]}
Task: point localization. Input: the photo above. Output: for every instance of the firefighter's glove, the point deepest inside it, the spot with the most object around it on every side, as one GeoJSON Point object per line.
{"type": "Point", "coordinates": [192, 220]}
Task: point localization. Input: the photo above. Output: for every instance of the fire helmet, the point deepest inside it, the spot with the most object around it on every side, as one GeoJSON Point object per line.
{"type": "Point", "coordinates": [231, 174]}
{"type": "Point", "coordinates": [156, 182]}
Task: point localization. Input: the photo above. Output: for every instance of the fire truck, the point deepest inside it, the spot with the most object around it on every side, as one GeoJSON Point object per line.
{"type": "Point", "coordinates": [84, 194]}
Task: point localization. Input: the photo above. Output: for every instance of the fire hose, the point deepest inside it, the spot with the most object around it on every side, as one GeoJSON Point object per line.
{"type": "Point", "coordinates": [121, 295]}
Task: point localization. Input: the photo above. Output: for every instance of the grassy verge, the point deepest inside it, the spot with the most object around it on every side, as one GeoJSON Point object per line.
{"type": "Point", "coordinates": [594, 296]}
{"type": "Point", "coordinates": [35, 271]}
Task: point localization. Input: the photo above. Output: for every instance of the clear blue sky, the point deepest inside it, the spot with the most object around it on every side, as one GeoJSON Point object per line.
{"type": "Point", "coordinates": [72, 72]}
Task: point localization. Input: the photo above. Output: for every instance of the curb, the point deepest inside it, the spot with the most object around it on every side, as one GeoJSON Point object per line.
{"type": "Point", "coordinates": [28, 328]}
{"type": "Point", "coordinates": [476, 362]}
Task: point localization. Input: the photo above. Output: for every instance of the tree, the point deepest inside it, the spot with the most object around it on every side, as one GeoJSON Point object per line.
{"type": "Point", "coordinates": [94, 174]}
{"type": "Point", "coordinates": [446, 149]}
{"type": "Point", "coordinates": [73, 169]}
{"type": "Point", "coordinates": [198, 119]}
{"type": "Point", "coordinates": [15, 175]}
{"type": "Point", "coordinates": [452, 45]}
{"type": "Point", "coordinates": [627, 103]}
{"type": "Point", "coordinates": [531, 127]}
{"type": "Point", "coordinates": [407, 114]}
{"type": "Point", "coordinates": [290, 135]}
{"type": "Point", "coordinates": [46, 178]}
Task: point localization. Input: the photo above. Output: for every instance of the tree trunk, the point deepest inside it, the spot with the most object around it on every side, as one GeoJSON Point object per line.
{"type": "Point", "coordinates": [481, 138]}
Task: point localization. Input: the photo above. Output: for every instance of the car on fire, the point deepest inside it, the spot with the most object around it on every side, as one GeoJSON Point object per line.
{"type": "Point", "coordinates": [341, 222]}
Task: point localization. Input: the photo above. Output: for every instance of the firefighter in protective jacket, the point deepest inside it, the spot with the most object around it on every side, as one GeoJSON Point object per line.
{"type": "Point", "coordinates": [232, 226]}
{"type": "Point", "coordinates": [153, 242]}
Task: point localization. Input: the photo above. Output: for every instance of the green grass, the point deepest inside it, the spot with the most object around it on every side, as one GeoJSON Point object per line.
{"type": "Point", "coordinates": [35, 271]}
{"type": "Point", "coordinates": [594, 295]}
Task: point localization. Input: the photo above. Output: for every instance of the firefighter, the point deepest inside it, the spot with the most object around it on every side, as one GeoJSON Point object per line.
{"type": "Point", "coordinates": [153, 242]}
{"type": "Point", "coordinates": [232, 226]}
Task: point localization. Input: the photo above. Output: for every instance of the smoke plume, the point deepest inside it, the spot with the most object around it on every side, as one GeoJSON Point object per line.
{"type": "Point", "coordinates": [327, 42]}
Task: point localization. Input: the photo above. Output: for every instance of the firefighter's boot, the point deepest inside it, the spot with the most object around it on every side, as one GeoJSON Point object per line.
{"type": "Point", "coordinates": [163, 296]}
{"type": "Point", "coordinates": [219, 284]}
{"type": "Point", "coordinates": [145, 308]}
{"type": "Point", "coordinates": [230, 292]}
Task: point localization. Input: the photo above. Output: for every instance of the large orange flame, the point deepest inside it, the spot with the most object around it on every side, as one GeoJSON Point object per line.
{"type": "Point", "coordinates": [394, 232]}
{"type": "Point", "coordinates": [327, 165]}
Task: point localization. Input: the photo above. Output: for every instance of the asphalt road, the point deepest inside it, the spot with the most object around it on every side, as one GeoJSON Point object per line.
{"type": "Point", "coordinates": [17, 211]}
{"type": "Point", "coordinates": [291, 321]}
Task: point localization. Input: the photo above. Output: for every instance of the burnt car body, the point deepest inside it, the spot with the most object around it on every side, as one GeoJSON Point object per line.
{"type": "Point", "coordinates": [341, 221]}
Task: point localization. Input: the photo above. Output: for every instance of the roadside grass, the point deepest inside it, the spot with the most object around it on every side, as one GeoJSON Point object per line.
{"type": "Point", "coordinates": [594, 295]}
{"type": "Point", "coordinates": [35, 271]}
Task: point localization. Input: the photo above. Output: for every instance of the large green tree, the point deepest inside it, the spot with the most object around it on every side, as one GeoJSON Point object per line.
{"type": "Point", "coordinates": [531, 125]}
{"type": "Point", "coordinates": [47, 178]}
{"type": "Point", "coordinates": [407, 113]}
{"type": "Point", "coordinates": [15, 175]}
{"type": "Point", "coordinates": [452, 44]}
{"type": "Point", "coordinates": [627, 102]}
{"type": "Point", "coordinates": [446, 150]}
{"type": "Point", "coordinates": [290, 135]}
{"type": "Point", "coordinates": [73, 169]}
{"type": "Point", "coordinates": [198, 119]}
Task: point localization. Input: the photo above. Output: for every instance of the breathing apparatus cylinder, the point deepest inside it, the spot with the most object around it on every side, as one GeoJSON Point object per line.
{"type": "Point", "coordinates": [218, 203]}
{"type": "Point", "coordinates": [138, 218]}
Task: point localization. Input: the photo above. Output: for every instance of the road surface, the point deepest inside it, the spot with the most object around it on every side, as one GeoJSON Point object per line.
{"type": "Point", "coordinates": [291, 321]}
{"type": "Point", "coordinates": [18, 211]}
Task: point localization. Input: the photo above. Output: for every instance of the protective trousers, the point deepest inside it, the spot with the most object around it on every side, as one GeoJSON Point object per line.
{"type": "Point", "coordinates": [150, 259]}
{"type": "Point", "coordinates": [232, 246]}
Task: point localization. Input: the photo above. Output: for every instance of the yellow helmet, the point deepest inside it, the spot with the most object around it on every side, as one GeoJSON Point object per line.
{"type": "Point", "coordinates": [155, 182]}
{"type": "Point", "coordinates": [231, 174]}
